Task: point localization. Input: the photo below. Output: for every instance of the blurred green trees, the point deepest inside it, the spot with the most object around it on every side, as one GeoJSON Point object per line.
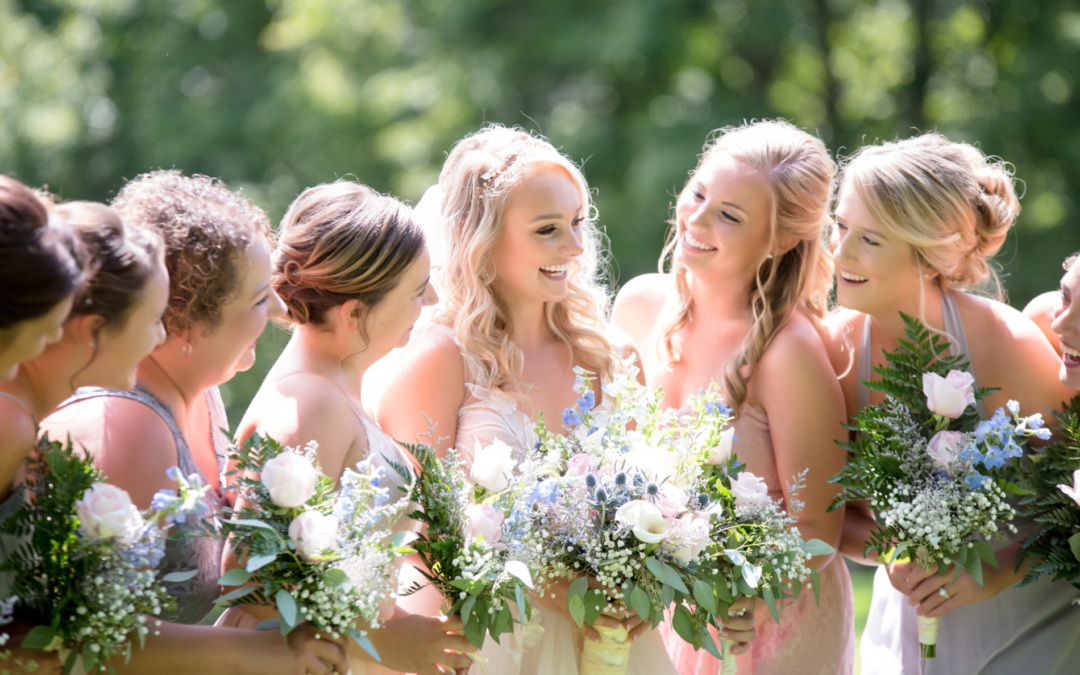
{"type": "Point", "coordinates": [276, 95]}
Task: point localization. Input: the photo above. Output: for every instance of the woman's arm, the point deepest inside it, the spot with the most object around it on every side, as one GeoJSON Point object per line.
{"type": "Point", "coordinates": [797, 387]}
{"type": "Point", "coordinates": [427, 388]}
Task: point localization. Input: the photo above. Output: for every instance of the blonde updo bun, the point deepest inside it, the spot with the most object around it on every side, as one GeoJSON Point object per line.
{"type": "Point", "coordinates": [948, 200]}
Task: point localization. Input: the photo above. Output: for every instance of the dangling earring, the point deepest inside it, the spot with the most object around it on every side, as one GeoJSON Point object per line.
{"type": "Point", "coordinates": [186, 349]}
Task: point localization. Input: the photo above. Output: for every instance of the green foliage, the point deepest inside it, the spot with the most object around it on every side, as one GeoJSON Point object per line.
{"type": "Point", "coordinates": [1052, 550]}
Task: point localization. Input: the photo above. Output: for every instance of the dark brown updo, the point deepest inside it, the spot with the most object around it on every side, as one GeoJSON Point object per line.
{"type": "Point", "coordinates": [342, 241]}
{"type": "Point", "coordinates": [40, 263]}
{"type": "Point", "coordinates": [206, 228]}
{"type": "Point", "coordinates": [120, 260]}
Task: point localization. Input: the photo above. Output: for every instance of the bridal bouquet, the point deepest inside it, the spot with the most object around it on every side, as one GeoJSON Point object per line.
{"type": "Point", "coordinates": [471, 551]}
{"type": "Point", "coordinates": [1053, 503]}
{"type": "Point", "coordinates": [936, 475]}
{"type": "Point", "coordinates": [660, 516]}
{"type": "Point", "coordinates": [315, 553]}
{"type": "Point", "coordinates": [85, 574]}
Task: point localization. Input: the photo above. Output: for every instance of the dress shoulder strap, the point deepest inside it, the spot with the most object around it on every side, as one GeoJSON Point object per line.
{"type": "Point", "coordinates": [17, 400]}
{"type": "Point", "coordinates": [954, 328]}
{"type": "Point", "coordinates": [143, 395]}
{"type": "Point", "coordinates": [473, 370]}
{"type": "Point", "coordinates": [862, 392]}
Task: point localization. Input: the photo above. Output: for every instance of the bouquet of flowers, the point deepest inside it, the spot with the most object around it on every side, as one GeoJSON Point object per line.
{"type": "Point", "coordinates": [316, 554]}
{"type": "Point", "coordinates": [662, 516]}
{"type": "Point", "coordinates": [1053, 502]}
{"type": "Point", "coordinates": [936, 475]}
{"type": "Point", "coordinates": [85, 574]}
{"type": "Point", "coordinates": [475, 555]}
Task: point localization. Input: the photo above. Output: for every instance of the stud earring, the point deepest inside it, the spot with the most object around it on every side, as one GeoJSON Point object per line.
{"type": "Point", "coordinates": [93, 344]}
{"type": "Point", "coordinates": [769, 257]}
{"type": "Point", "coordinates": [187, 349]}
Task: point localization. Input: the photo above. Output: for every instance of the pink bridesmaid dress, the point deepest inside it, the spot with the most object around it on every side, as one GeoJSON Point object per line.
{"type": "Point", "coordinates": [810, 639]}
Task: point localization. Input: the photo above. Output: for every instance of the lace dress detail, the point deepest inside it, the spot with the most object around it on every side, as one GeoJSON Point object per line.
{"type": "Point", "coordinates": [550, 644]}
{"type": "Point", "coordinates": [810, 638]}
{"type": "Point", "coordinates": [194, 598]}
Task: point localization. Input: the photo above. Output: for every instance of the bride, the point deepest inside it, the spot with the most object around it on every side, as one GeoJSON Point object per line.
{"type": "Point", "coordinates": [521, 308]}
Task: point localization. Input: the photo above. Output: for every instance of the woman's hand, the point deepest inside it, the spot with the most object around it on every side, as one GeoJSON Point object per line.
{"type": "Point", "coordinates": [926, 585]}
{"type": "Point", "coordinates": [739, 625]}
{"type": "Point", "coordinates": [554, 599]}
{"type": "Point", "coordinates": [899, 572]}
{"type": "Point", "coordinates": [425, 645]}
{"type": "Point", "coordinates": [298, 654]}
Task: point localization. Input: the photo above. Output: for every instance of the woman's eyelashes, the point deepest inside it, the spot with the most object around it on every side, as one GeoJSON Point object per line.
{"type": "Point", "coordinates": [550, 229]}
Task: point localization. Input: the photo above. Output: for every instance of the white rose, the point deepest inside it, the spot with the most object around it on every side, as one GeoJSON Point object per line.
{"type": "Point", "coordinates": [689, 536]}
{"type": "Point", "coordinates": [483, 522]}
{"type": "Point", "coordinates": [493, 465]}
{"type": "Point", "coordinates": [949, 396]}
{"type": "Point", "coordinates": [944, 449]}
{"type": "Point", "coordinates": [313, 533]}
{"type": "Point", "coordinates": [749, 490]}
{"type": "Point", "coordinates": [648, 524]}
{"type": "Point", "coordinates": [290, 478]}
{"type": "Point", "coordinates": [1073, 491]}
{"type": "Point", "coordinates": [722, 453]}
{"type": "Point", "coordinates": [106, 512]}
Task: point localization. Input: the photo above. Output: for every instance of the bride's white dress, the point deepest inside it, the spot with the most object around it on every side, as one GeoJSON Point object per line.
{"type": "Point", "coordinates": [550, 644]}
{"type": "Point", "coordinates": [381, 451]}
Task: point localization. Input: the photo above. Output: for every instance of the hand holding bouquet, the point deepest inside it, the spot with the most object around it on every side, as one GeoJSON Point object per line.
{"type": "Point", "coordinates": [937, 476]}
{"type": "Point", "coordinates": [315, 553]}
{"type": "Point", "coordinates": [86, 575]}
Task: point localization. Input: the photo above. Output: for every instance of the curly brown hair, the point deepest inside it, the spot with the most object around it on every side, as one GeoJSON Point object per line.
{"type": "Point", "coordinates": [206, 227]}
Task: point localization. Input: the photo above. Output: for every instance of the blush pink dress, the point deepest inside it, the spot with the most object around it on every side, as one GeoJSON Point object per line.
{"type": "Point", "coordinates": [810, 639]}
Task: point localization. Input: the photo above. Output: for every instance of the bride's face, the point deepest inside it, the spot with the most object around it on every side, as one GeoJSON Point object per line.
{"type": "Point", "coordinates": [540, 236]}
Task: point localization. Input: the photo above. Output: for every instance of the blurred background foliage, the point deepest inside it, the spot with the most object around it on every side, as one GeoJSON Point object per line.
{"type": "Point", "coordinates": [276, 95]}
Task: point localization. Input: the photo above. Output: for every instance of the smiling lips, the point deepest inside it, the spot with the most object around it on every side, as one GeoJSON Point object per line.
{"type": "Point", "coordinates": [1070, 356]}
{"type": "Point", "coordinates": [694, 242]}
{"type": "Point", "coordinates": [852, 278]}
{"type": "Point", "coordinates": [556, 271]}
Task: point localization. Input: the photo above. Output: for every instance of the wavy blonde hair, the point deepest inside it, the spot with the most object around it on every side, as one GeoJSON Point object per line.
{"type": "Point", "coordinates": [949, 201]}
{"type": "Point", "coordinates": [800, 177]}
{"type": "Point", "coordinates": [477, 183]}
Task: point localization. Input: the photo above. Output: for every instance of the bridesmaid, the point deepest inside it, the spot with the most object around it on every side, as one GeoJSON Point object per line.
{"type": "Point", "coordinates": [917, 221]}
{"type": "Point", "coordinates": [39, 273]}
{"type": "Point", "coordinates": [167, 412]}
{"type": "Point", "coordinates": [749, 282]}
{"type": "Point", "coordinates": [521, 308]}
{"type": "Point", "coordinates": [353, 271]}
{"type": "Point", "coordinates": [114, 323]}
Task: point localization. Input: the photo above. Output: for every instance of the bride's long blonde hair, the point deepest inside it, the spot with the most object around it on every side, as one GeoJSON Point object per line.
{"type": "Point", "coordinates": [477, 182]}
{"type": "Point", "coordinates": [800, 176]}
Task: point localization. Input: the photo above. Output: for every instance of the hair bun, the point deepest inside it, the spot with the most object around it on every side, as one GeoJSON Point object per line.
{"type": "Point", "coordinates": [996, 207]}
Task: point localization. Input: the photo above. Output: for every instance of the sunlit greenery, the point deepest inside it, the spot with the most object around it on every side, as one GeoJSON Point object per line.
{"type": "Point", "coordinates": [276, 95]}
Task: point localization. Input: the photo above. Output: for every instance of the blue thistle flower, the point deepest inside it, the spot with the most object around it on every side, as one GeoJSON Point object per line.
{"type": "Point", "coordinates": [620, 479]}
{"type": "Point", "coordinates": [590, 480]}
{"type": "Point", "coordinates": [601, 495]}
{"type": "Point", "coordinates": [703, 501]}
{"type": "Point", "coordinates": [639, 480]}
{"type": "Point", "coordinates": [652, 489]}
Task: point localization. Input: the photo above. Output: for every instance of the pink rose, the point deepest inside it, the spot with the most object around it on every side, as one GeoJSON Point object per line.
{"type": "Point", "coordinates": [688, 537]}
{"type": "Point", "coordinates": [944, 450]}
{"type": "Point", "coordinates": [290, 478]}
{"type": "Point", "coordinates": [483, 522]}
{"type": "Point", "coordinates": [749, 490]}
{"type": "Point", "coordinates": [671, 500]}
{"type": "Point", "coordinates": [949, 396]}
{"type": "Point", "coordinates": [578, 465]}
{"type": "Point", "coordinates": [313, 533]}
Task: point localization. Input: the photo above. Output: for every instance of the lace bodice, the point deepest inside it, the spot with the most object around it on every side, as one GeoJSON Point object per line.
{"type": "Point", "coordinates": [489, 414]}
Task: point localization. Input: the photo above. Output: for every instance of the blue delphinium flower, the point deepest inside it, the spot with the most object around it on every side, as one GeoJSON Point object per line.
{"type": "Point", "coordinates": [571, 418]}
{"type": "Point", "coordinates": [587, 401]}
{"type": "Point", "coordinates": [546, 491]}
{"type": "Point", "coordinates": [976, 480]}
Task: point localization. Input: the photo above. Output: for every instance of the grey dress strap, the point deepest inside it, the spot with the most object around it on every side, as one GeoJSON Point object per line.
{"type": "Point", "coordinates": [958, 346]}
{"type": "Point", "coordinates": [194, 598]}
